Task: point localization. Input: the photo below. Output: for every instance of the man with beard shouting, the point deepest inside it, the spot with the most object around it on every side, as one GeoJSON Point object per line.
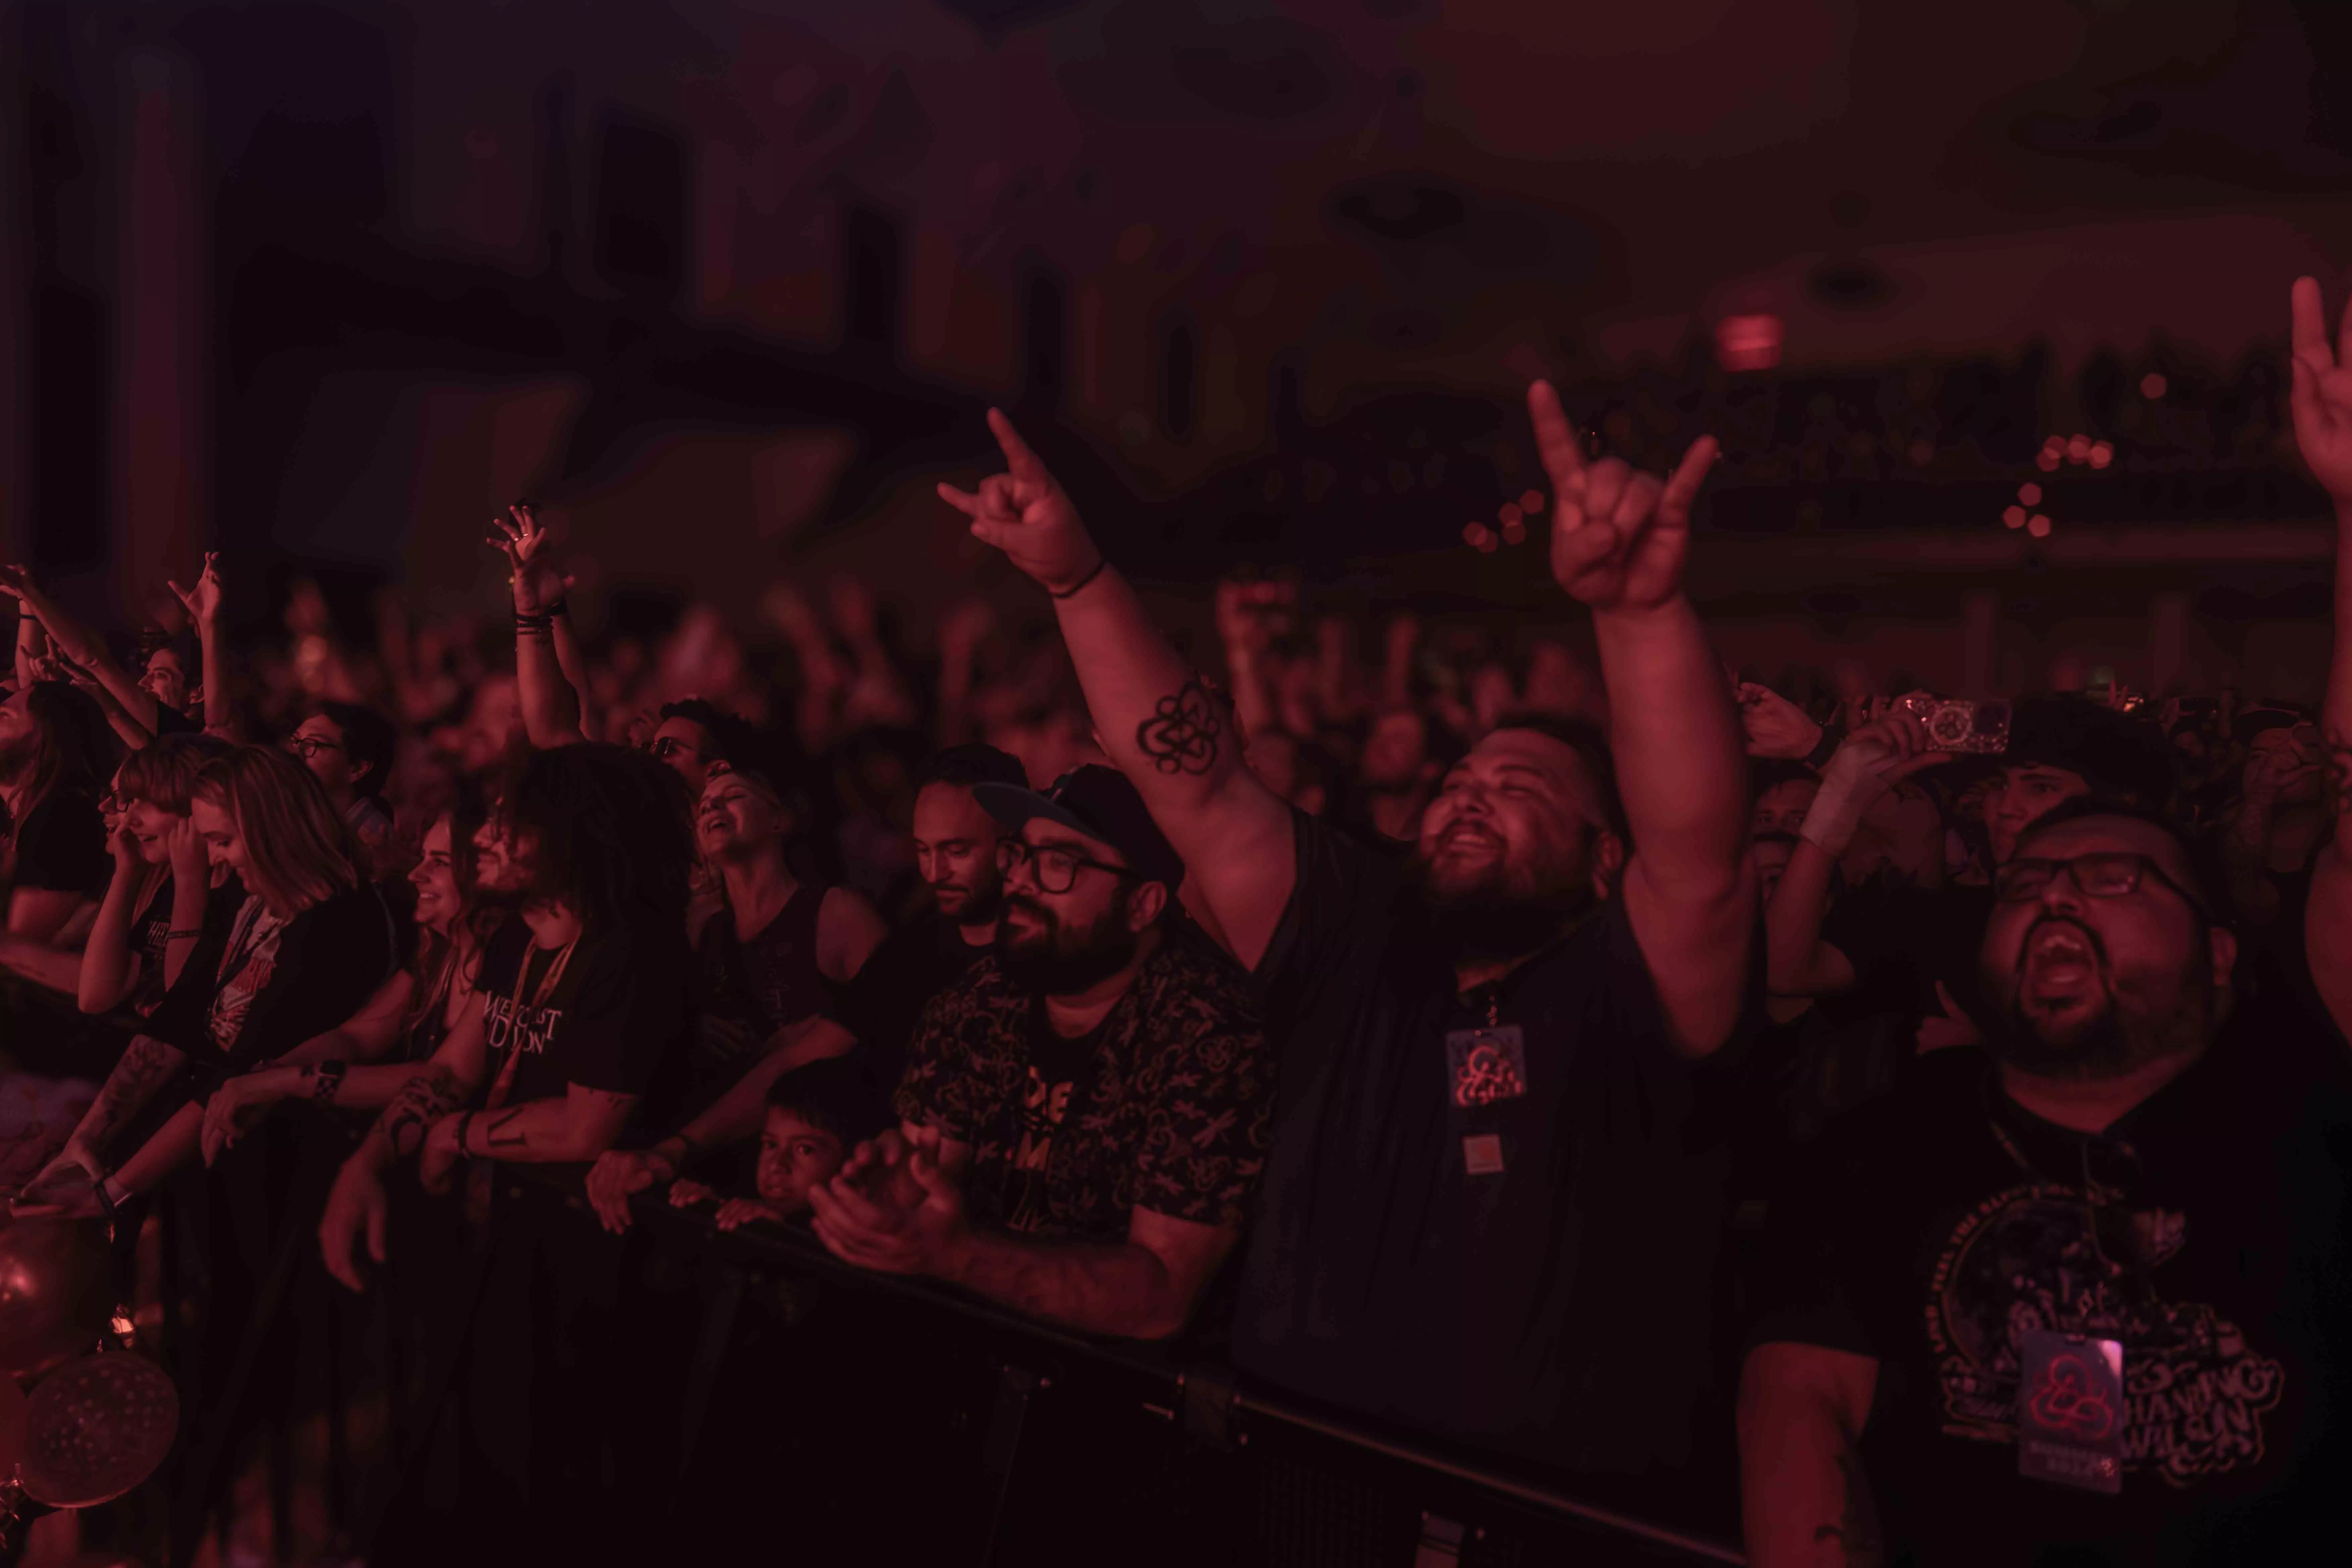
{"type": "Point", "coordinates": [2090, 1302]}
{"type": "Point", "coordinates": [1484, 1217]}
{"type": "Point", "coordinates": [1084, 1117]}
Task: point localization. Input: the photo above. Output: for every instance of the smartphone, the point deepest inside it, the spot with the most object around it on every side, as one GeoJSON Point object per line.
{"type": "Point", "coordinates": [1959, 724]}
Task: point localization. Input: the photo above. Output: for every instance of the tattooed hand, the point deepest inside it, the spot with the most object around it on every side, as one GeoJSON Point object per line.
{"type": "Point", "coordinates": [1025, 513]}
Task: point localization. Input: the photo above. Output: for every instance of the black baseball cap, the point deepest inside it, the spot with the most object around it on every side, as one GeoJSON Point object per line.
{"type": "Point", "coordinates": [1098, 802]}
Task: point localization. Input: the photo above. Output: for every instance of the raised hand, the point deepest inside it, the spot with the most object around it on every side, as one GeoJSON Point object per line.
{"type": "Point", "coordinates": [2322, 398]}
{"type": "Point", "coordinates": [1618, 536]}
{"type": "Point", "coordinates": [1775, 727]}
{"type": "Point", "coordinates": [202, 601]}
{"type": "Point", "coordinates": [1023, 513]}
{"type": "Point", "coordinates": [528, 548]}
{"type": "Point", "coordinates": [12, 581]}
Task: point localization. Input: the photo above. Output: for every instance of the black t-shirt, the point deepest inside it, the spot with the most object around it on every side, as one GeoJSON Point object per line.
{"type": "Point", "coordinates": [263, 986]}
{"type": "Point", "coordinates": [1943, 1226]}
{"type": "Point", "coordinates": [169, 721]}
{"type": "Point", "coordinates": [882, 1005]}
{"type": "Point", "coordinates": [610, 1014]}
{"type": "Point", "coordinates": [746, 991]}
{"type": "Point", "coordinates": [1504, 1242]}
{"type": "Point", "coordinates": [1904, 942]}
{"type": "Point", "coordinates": [61, 847]}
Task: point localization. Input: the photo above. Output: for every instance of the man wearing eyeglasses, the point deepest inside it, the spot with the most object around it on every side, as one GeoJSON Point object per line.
{"type": "Point", "coordinates": [349, 749]}
{"type": "Point", "coordinates": [1085, 1115]}
{"type": "Point", "coordinates": [2086, 1300]}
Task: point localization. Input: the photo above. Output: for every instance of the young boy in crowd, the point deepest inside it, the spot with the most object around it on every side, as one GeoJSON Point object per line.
{"type": "Point", "coordinates": [816, 1115]}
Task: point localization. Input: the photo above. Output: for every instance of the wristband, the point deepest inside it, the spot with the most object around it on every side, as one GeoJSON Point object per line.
{"type": "Point", "coordinates": [465, 1125]}
{"type": "Point", "coordinates": [539, 623]}
{"type": "Point", "coordinates": [327, 1082]}
{"type": "Point", "coordinates": [1101, 561]}
{"type": "Point", "coordinates": [188, 935]}
{"type": "Point", "coordinates": [1850, 787]}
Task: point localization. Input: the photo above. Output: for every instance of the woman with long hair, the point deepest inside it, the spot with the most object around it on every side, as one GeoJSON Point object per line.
{"type": "Point", "coordinates": [311, 944]}
{"type": "Point", "coordinates": [465, 886]}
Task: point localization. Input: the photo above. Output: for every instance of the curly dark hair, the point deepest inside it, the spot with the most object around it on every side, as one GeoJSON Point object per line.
{"type": "Point", "coordinates": [607, 826]}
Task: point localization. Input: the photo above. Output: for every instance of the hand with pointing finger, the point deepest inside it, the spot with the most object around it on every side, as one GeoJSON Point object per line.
{"type": "Point", "coordinates": [1024, 512]}
{"type": "Point", "coordinates": [1619, 537]}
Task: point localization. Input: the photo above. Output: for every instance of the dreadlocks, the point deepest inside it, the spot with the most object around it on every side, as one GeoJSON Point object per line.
{"type": "Point", "coordinates": [608, 832]}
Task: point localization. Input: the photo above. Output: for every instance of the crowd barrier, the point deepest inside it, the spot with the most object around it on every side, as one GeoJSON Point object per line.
{"type": "Point", "coordinates": [1013, 1440]}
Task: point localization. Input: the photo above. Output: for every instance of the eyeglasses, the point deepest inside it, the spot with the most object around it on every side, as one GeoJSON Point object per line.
{"type": "Point", "coordinates": [668, 746]}
{"type": "Point", "coordinates": [1056, 870]}
{"type": "Point", "coordinates": [2108, 874]}
{"type": "Point", "coordinates": [309, 746]}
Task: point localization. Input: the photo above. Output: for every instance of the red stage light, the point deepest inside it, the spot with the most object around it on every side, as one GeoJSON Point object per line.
{"type": "Point", "coordinates": [2046, 459]}
{"type": "Point", "coordinates": [1532, 503]}
{"type": "Point", "coordinates": [2151, 387]}
{"type": "Point", "coordinates": [2014, 517]}
{"type": "Point", "coordinates": [1748, 343]}
{"type": "Point", "coordinates": [2101, 454]}
{"type": "Point", "coordinates": [1487, 542]}
{"type": "Point", "coordinates": [1510, 514]}
{"type": "Point", "coordinates": [2029, 493]}
{"type": "Point", "coordinates": [2038, 526]}
{"type": "Point", "coordinates": [2078, 450]}
{"type": "Point", "coordinates": [1473, 533]}
{"type": "Point", "coordinates": [1514, 532]}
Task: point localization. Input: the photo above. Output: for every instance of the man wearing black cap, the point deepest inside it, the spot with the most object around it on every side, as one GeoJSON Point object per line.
{"type": "Point", "coordinates": [1085, 1114]}
{"type": "Point", "coordinates": [1915, 946]}
{"type": "Point", "coordinates": [1490, 1214]}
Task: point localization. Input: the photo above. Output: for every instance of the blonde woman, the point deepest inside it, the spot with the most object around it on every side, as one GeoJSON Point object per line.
{"type": "Point", "coordinates": [309, 945]}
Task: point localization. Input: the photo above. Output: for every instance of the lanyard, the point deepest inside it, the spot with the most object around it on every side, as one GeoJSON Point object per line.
{"type": "Point", "coordinates": [546, 988]}
{"type": "Point", "coordinates": [2100, 1202]}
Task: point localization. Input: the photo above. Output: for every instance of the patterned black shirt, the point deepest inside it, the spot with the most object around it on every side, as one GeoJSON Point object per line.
{"type": "Point", "coordinates": [1169, 1111]}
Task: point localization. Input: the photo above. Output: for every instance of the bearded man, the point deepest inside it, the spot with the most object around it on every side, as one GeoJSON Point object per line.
{"type": "Point", "coordinates": [1488, 1216]}
{"type": "Point", "coordinates": [2085, 1300]}
{"type": "Point", "coordinates": [1084, 1116]}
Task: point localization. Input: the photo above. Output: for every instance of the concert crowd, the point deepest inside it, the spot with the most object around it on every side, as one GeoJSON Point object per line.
{"type": "Point", "coordinates": [1883, 1126]}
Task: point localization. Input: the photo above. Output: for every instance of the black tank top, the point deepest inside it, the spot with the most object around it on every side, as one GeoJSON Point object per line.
{"type": "Point", "coordinates": [746, 991]}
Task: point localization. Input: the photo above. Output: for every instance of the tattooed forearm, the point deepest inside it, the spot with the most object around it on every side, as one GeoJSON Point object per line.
{"type": "Point", "coordinates": [423, 1101]}
{"type": "Point", "coordinates": [1181, 736]}
{"type": "Point", "coordinates": [146, 1065]}
{"type": "Point", "coordinates": [1854, 1538]}
{"type": "Point", "coordinates": [503, 1137]}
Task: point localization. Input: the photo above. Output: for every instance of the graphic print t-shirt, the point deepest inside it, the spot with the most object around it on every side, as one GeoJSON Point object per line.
{"type": "Point", "coordinates": [2207, 1232]}
{"type": "Point", "coordinates": [614, 1018]}
{"type": "Point", "coordinates": [1055, 1086]}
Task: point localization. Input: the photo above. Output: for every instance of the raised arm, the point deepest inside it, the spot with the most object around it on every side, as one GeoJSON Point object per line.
{"type": "Point", "coordinates": [1158, 722]}
{"type": "Point", "coordinates": [1864, 768]}
{"type": "Point", "coordinates": [108, 967]}
{"type": "Point", "coordinates": [2322, 403]}
{"type": "Point", "coordinates": [1618, 545]}
{"type": "Point", "coordinates": [545, 678]}
{"type": "Point", "coordinates": [203, 603]}
{"type": "Point", "coordinates": [1804, 1499]}
{"type": "Point", "coordinates": [81, 646]}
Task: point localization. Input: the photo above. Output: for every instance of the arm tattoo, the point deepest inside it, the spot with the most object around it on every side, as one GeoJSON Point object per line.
{"type": "Point", "coordinates": [1856, 1535]}
{"type": "Point", "coordinates": [1181, 736]}
{"type": "Point", "coordinates": [421, 1101]}
{"type": "Point", "coordinates": [146, 1065]}
{"type": "Point", "coordinates": [498, 1136]}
